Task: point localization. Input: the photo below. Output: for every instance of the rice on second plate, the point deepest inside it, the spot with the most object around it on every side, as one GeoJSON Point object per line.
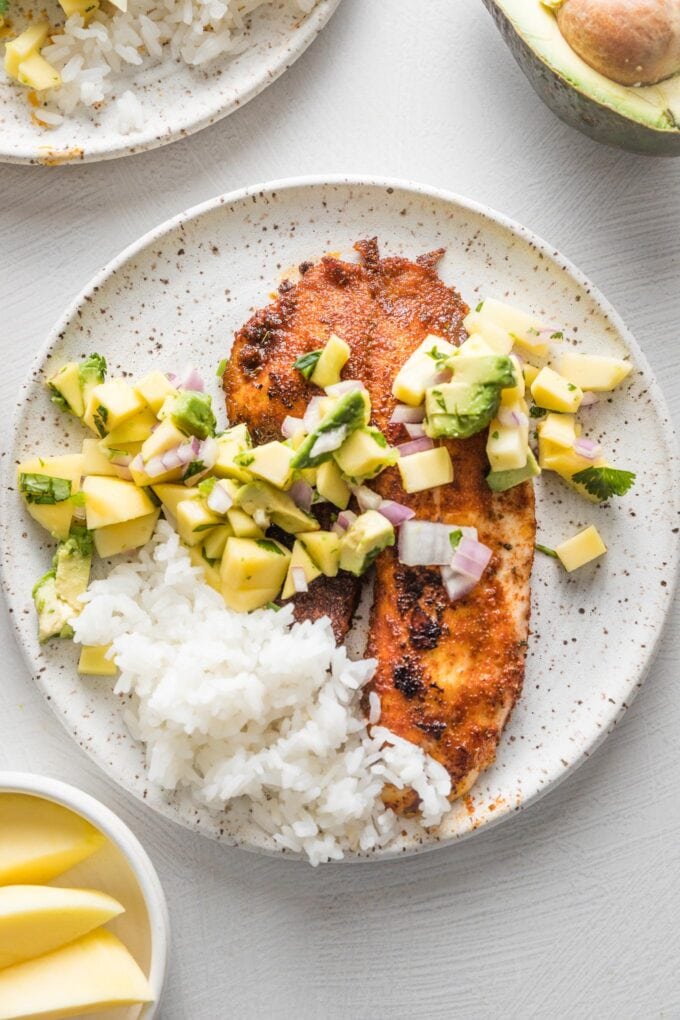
{"type": "Point", "coordinates": [90, 56]}
{"type": "Point", "coordinates": [253, 708]}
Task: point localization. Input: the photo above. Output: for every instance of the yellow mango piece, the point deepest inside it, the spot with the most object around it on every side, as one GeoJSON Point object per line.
{"type": "Point", "coordinates": [417, 372]}
{"type": "Point", "coordinates": [581, 549]}
{"type": "Point", "coordinates": [247, 600]}
{"type": "Point", "coordinates": [242, 524]}
{"type": "Point", "coordinates": [155, 387]}
{"type": "Point", "coordinates": [485, 332]}
{"type": "Point", "coordinates": [85, 8]}
{"type": "Point", "coordinates": [93, 661]}
{"type": "Point", "coordinates": [303, 561]}
{"type": "Point", "coordinates": [271, 463]}
{"type": "Point", "coordinates": [55, 518]}
{"type": "Point", "coordinates": [212, 574]}
{"type": "Point", "coordinates": [324, 549]}
{"type": "Point", "coordinates": [426, 470]}
{"type": "Point", "coordinates": [476, 346]}
{"type": "Point", "coordinates": [134, 430]}
{"type": "Point", "coordinates": [113, 500]}
{"type": "Point", "coordinates": [556, 393]}
{"type": "Point", "coordinates": [41, 840]}
{"type": "Point", "coordinates": [559, 429]}
{"type": "Point", "coordinates": [507, 448]}
{"type": "Point", "coordinates": [592, 372]}
{"type": "Point", "coordinates": [331, 362]}
{"type": "Point", "coordinates": [331, 485]}
{"type": "Point", "coordinates": [214, 544]}
{"type": "Point", "coordinates": [95, 972]}
{"type": "Point", "coordinates": [30, 41]}
{"type": "Point", "coordinates": [195, 520]}
{"type": "Point", "coordinates": [523, 328]}
{"type": "Point", "coordinates": [36, 919]}
{"type": "Point", "coordinates": [38, 74]}
{"type": "Point", "coordinates": [94, 461]}
{"type": "Point", "coordinates": [530, 373]}
{"type": "Point", "coordinates": [166, 437]}
{"type": "Point", "coordinates": [172, 495]}
{"type": "Point", "coordinates": [119, 538]}
{"type": "Point", "coordinates": [110, 404]}
{"type": "Point", "coordinates": [250, 564]}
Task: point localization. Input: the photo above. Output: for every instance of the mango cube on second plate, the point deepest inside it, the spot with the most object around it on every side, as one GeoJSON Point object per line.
{"type": "Point", "coordinates": [426, 470]}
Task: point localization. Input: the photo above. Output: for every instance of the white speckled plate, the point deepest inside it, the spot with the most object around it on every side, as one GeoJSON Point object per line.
{"type": "Point", "coordinates": [177, 99]}
{"type": "Point", "coordinates": [179, 294]}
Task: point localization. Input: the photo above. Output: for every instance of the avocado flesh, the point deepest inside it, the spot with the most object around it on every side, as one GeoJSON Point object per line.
{"type": "Point", "coordinates": [645, 120]}
{"type": "Point", "coordinates": [279, 506]}
{"type": "Point", "coordinates": [53, 613]}
{"type": "Point", "coordinates": [501, 481]}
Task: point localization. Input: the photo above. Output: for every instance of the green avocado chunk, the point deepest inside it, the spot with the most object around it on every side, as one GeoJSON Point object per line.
{"type": "Point", "coordinates": [279, 506]}
{"type": "Point", "coordinates": [351, 411]}
{"type": "Point", "coordinates": [467, 404]}
{"type": "Point", "coordinates": [72, 564]}
{"type": "Point", "coordinates": [499, 481]}
{"type": "Point", "coordinates": [53, 614]}
{"type": "Point", "coordinates": [645, 120]}
{"type": "Point", "coordinates": [192, 413]}
{"type": "Point", "coordinates": [364, 540]}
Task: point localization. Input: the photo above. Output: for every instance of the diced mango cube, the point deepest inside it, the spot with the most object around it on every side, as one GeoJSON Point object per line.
{"type": "Point", "coordinates": [506, 447]}
{"type": "Point", "coordinates": [110, 404]}
{"type": "Point", "coordinates": [271, 462]}
{"type": "Point", "coordinates": [210, 572]}
{"type": "Point", "coordinates": [94, 461]}
{"type": "Point", "coordinates": [493, 336]}
{"type": "Point", "coordinates": [30, 41]}
{"type": "Point", "coordinates": [242, 524]}
{"type": "Point", "coordinates": [301, 560]}
{"type": "Point", "coordinates": [476, 346]}
{"type": "Point", "coordinates": [57, 517]}
{"type": "Point", "coordinates": [556, 393]}
{"type": "Point", "coordinates": [592, 372]}
{"type": "Point", "coordinates": [426, 470]}
{"type": "Point", "coordinates": [119, 538]}
{"type": "Point", "coordinates": [254, 564]}
{"type": "Point", "coordinates": [113, 500]}
{"type": "Point", "coordinates": [523, 328]}
{"type": "Point", "coordinates": [85, 8]}
{"type": "Point", "coordinates": [214, 544]}
{"type": "Point", "coordinates": [581, 549]}
{"type": "Point", "coordinates": [155, 387]}
{"type": "Point", "coordinates": [166, 437]}
{"type": "Point", "coordinates": [331, 362]}
{"type": "Point", "coordinates": [331, 485]}
{"type": "Point", "coordinates": [38, 74]}
{"type": "Point", "coordinates": [513, 394]}
{"type": "Point", "coordinates": [530, 372]}
{"type": "Point", "coordinates": [195, 520]}
{"type": "Point", "coordinates": [93, 661]}
{"type": "Point", "coordinates": [559, 429]}
{"type": "Point", "coordinates": [134, 430]}
{"type": "Point", "coordinates": [324, 548]}
{"type": "Point", "coordinates": [417, 372]}
{"type": "Point", "coordinates": [171, 494]}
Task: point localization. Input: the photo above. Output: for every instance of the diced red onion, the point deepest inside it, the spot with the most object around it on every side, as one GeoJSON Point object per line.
{"type": "Point", "coordinates": [457, 585]}
{"type": "Point", "coordinates": [329, 441]}
{"type": "Point", "coordinates": [366, 498]}
{"type": "Point", "coordinates": [137, 464]}
{"type": "Point", "coordinates": [312, 414]}
{"type": "Point", "coordinates": [191, 380]}
{"type": "Point", "coordinates": [121, 459]}
{"type": "Point", "coordinates": [404, 414]}
{"type": "Point", "coordinates": [79, 512]}
{"type": "Point", "coordinates": [291, 426]}
{"type": "Point", "coordinates": [441, 377]}
{"type": "Point", "coordinates": [338, 389]}
{"type": "Point", "coordinates": [209, 452]}
{"type": "Point", "coordinates": [219, 500]}
{"type": "Point", "coordinates": [427, 543]}
{"type": "Point", "coordinates": [172, 378]}
{"type": "Point", "coordinates": [416, 446]}
{"type": "Point", "coordinates": [396, 513]}
{"type": "Point", "coordinates": [415, 431]}
{"type": "Point", "coordinates": [154, 467]}
{"type": "Point", "coordinates": [123, 472]}
{"type": "Point", "coordinates": [346, 519]}
{"type": "Point", "coordinates": [587, 448]}
{"type": "Point", "coordinates": [338, 529]}
{"type": "Point", "coordinates": [301, 493]}
{"type": "Point", "coordinates": [171, 459]}
{"type": "Point", "coordinates": [299, 579]}
{"type": "Point", "coordinates": [589, 399]}
{"type": "Point", "coordinates": [471, 558]}
{"type": "Point", "coordinates": [512, 419]}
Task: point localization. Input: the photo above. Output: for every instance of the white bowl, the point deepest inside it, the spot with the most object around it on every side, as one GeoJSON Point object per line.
{"type": "Point", "coordinates": [121, 868]}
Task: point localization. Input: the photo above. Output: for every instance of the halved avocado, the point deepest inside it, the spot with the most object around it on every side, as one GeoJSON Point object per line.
{"type": "Point", "coordinates": [645, 120]}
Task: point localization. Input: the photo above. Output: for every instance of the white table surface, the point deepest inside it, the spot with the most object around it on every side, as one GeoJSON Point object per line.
{"type": "Point", "coordinates": [568, 910]}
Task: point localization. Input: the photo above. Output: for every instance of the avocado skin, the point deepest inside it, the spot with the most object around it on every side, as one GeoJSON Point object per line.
{"type": "Point", "coordinates": [578, 109]}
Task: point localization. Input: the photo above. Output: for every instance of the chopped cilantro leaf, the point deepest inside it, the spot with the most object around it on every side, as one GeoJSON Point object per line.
{"type": "Point", "coordinates": [441, 403]}
{"type": "Point", "coordinates": [538, 412]}
{"type": "Point", "coordinates": [273, 605]}
{"type": "Point", "coordinates": [495, 435]}
{"type": "Point", "coordinates": [455, 537]}
{"type": "Point", "coordinates": [100, 418]}
{"type": "Point", "coordinates": [266, 543]}
{"type": "Point", "coordinates": [78, 499]}
{"type": "Point", "coordinates": [604, 482]}
{"type": "Point", "coordinates": [244, 459]}
{"type": "Point", "coordinates": [307, 363]}
{"type": "Point", "coordinates": [55, 396]}
{"type": "Point", "coordinates": [571, 387]}
{"type": "Point", "coordinates": [206, 486]}
{"type": "Point", "coordinates": [546, 550]}
{"type": "Point", "coordinates": [4, 7]}
{"type": "Point", "coordinates": [221, 368]}
{"type": "Point", "coordinates": [557, 336]}
{"type": "Point", "coordinates": [534, 332]}
{"type": "Point", "coordinates": [479, 306]}
{"type": "Point", "coordinates": [44, 489]}
{"type": "Point", "coordinates": [194, 468]}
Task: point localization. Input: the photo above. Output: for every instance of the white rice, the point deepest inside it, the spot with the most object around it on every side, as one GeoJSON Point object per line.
{"type": "Point", "coordinates": [253, 709]}
{"type": "Point", "coordinates": [89, 57]}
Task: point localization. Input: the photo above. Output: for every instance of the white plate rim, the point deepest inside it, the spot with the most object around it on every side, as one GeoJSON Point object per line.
{"type": "Point", "coordinates": [443, 195]}
{"type": "Point", "coordinates": [311, 26]}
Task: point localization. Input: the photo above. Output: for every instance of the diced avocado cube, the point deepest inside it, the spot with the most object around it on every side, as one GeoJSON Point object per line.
{"type": "Point", "coordinates": [214, 545]}
{"type": "Point", "coordinates": [66, 389]}
{"type": "Point", "coordinates": [110, 404]}
{"type": "Point", "coordinates": [166, 437]}
{"type": "Point", "coordinates": [331, 362]}
{"type": "Point", "coordinates": [500, 481]}
{"type": "Point", "coordinates": [506, 446]}
{"type": "Point", "coordinates": [195, 520]}
{"type": "Point", "coordinates": [556, 393]}
{"type": "Point", "coordinates": [53, 613]}
{"type": "Point", "coordinates": [593, 372]}
{"type": "Point", "coordinates": [365, 454]}
{"type": "Point", "coordinates": [468, 403]}
{"type": "Point", "coordinates": [254, 563]}
{"type": "Point", "coordinates": [56, 516]}
{"type": "Point", "coordinates": [272, 463]}
{"type": "Point", "coordinates": [30, 41]}
{"type": "Point", "coordinates": [94, 461]}
{"type": "Point", "coordinates": [419, 370]}
{"type": "Point", "coordinates": [348, 413]}
{"type": "Point", "coordinates": [119, 538]}
{"type": "Point", "coordinates": [278, 505]}
{"type": "Point", "coordinates": [93, 661]}
{"type": "Point", "coordinates": [72, 563]}
{"type": "Point", "coordinates": [581, 549]}
{"type": "Point", "coordinates": [324, 549]}
{"type": "Point", "coordinates": [242, 524]}
{"type": "Point", "coordinates": [300, 559]}
{"type": "Point", "coordinates": [191, 412]}
{"type": "Point", "coordinates": [155, 388]}
{"type": "Point", "coordinates": [364, 540]}
{"type": "Point", "coordinates": [330, 484]}
{"type": "Point", "coordinates": [134, 430]}
{"type": "Point", "coordinates": [426, 470]}
{"type": "Point", "coordinates": [112, 501]}
{"type": "Point", "coordinates": [559, 429]}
